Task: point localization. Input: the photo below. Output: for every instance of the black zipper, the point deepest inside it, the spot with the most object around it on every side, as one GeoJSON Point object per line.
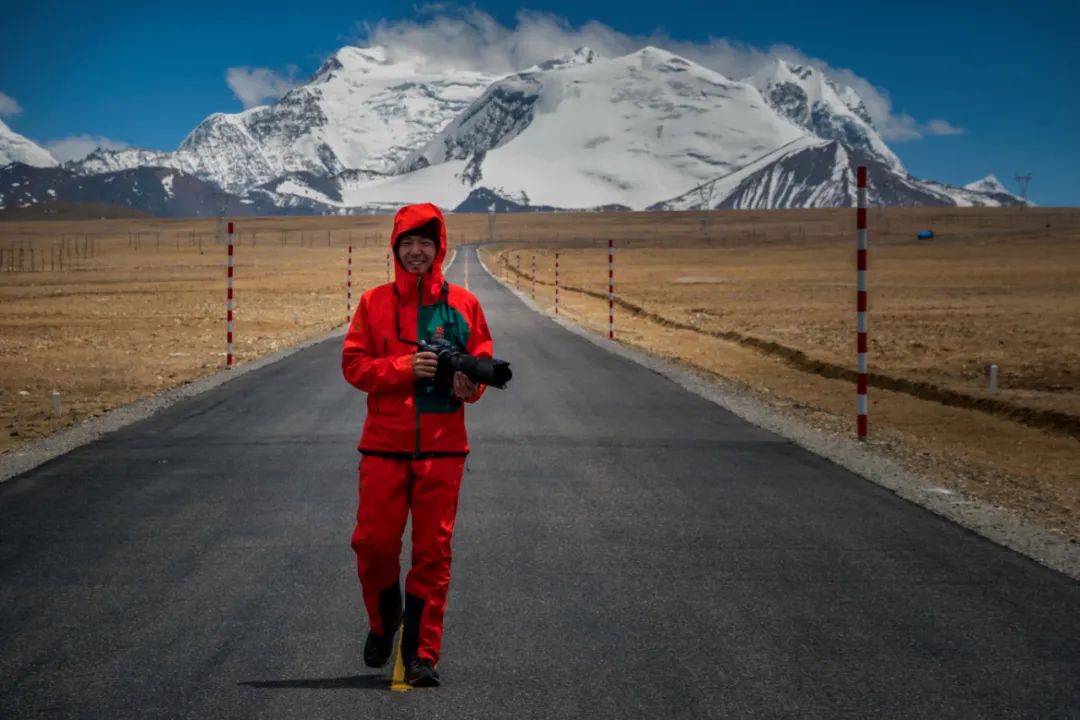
{"type": "Point", "coordinates": [416, 391]}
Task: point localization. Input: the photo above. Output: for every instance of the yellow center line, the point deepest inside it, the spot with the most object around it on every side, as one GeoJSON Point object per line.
{"type": "Point", "coordinates": [397, 678]}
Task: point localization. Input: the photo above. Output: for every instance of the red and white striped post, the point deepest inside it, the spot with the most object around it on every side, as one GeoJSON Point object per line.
{"type": "Point", "coordinates": [611, 288]}
{"type": "Point", "coordinates": [387, 266]}
{"type": "Point", "coordinates": [556, 283]}
{"type": "Point", "coordinates": [348, 287]}
{"type": "Point", "coordinates": [534, 276]}
{"type": "Point", "coordinates": [861, 403]}
{"type": "Point", "coordinates": [517, 271]}
{"type": "Point", "coordinates": [229, 306]}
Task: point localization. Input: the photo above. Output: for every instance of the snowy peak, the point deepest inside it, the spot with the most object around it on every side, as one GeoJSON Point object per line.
{"type": "Point", "coordinates": [105, 161]}
{"type": "Point", "coordinates": [618, 131]}
{"type": "Point", "coordinates": [989, 184]}
{"type": "Point", "coordinates": [806, 96]}
{"type": "Point", "coordinates": [374, 61]}
{"type": "Point", "coordinates": [986, 192]}
{"type": "Point", "coordinates": [16, 148]}
{"type": "Point", "coordinates": [816, 85]}
{"type": "Point", "coordinates": [818, 174]}
{"type": "Point", "coordinates": [651, 57]}
{"type": "Point", "coordinates": [364, 110]}
{"type": "Point", "coordinates": [581, 56]}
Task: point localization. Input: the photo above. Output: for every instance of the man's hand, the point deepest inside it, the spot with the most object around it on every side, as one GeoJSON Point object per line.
{"type": "Point", "coordinates": [424, 365]}
{"type": "Point", "coordinates": [464, 388]}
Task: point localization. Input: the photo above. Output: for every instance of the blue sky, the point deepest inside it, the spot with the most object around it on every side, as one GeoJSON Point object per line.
{"type": "Point", "coordinates": [962, 89]}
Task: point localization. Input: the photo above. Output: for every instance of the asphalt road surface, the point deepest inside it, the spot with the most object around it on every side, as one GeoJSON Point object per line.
{"type": "Point", "coordinates": [624, 549]}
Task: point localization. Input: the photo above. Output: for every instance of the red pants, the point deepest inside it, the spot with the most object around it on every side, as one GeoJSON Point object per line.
{"type": "Point", "coordinates": [388, 489]}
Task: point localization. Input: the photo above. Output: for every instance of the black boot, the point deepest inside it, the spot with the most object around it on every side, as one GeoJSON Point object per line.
{"type": "Point", "coordinates": [410, 628]}
{"type": "Point", "coordinates": [421, 673]}
{"type": "Point", "coordinates": [378, 648]}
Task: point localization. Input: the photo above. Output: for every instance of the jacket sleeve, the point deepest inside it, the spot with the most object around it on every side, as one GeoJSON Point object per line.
{"type": "Point", "coordinates": [480, 343]}
{"type": "Point", "coordinates": [360, 363]}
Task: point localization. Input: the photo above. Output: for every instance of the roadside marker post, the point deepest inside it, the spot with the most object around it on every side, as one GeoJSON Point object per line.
{"type": "Point", "coordinates": [229, 306]}
{"type": "Point", "coordinates": [611, 288]}
{"type": "Point", "coordinates": [862, 404]}
{"type": "Point", "coordinates": [556, 283]}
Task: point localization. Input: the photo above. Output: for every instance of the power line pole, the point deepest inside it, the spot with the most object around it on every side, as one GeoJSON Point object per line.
{"type": "Point", "coordinates": [1022, 181]}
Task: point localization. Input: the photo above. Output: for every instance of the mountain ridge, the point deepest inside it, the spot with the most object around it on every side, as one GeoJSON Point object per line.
{"type": "Point", "coordinates": [371, 130]}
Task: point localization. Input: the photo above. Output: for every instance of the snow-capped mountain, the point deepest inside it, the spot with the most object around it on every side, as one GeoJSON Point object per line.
{"type": "Point", "coordinates": [991, 187]}
{"type": "Point", "coordinates": [102, 161]}
{"type": "Point", "coordinates": [360, 111]}
{"type": "Point", "coordinates": [811, 173]}
{"type": "Point", "coordinates": [989, 184]}
{"type": "Point", "coordinates": [16, 148]}
{"type": "Point", "coordinates": [811, 99]}
{"type": "Point", "coordinates": [162, 191]}
{"type": "Point", "coordinates": [371, 131]}
{"type": "Point", "coordinates": [608, 131]}
{"type": "Point", "coordinates": [987, 192]}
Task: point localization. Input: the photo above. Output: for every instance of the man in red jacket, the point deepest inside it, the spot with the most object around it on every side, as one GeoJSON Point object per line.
{"type": "Point", "coordinates": [413, 444]}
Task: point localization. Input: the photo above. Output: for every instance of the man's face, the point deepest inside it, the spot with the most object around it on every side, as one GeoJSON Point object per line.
{"type": "Point", "coordinates": [416, 253]}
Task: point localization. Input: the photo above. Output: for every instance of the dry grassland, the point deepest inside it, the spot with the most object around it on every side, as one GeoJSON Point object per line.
{"type": "Point", "coordinates": [125, 323]}
{"type": "Point", "coordinates": [764, 300]}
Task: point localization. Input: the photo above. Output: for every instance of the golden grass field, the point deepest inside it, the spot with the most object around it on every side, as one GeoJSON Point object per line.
{"type": "Point", "coordinates": [764, 300]}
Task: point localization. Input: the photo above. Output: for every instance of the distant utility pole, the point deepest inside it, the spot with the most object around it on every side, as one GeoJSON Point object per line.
{"type": "Point", "coordinates": [1022, 181]}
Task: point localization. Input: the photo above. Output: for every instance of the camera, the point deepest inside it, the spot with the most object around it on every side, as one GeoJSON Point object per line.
{"type": "Point", "coordinates": [486, 371]}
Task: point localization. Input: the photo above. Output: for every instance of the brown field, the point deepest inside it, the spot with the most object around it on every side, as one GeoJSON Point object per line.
{"type": "Point", "coordinates": [144, 314]}
{"type": "Point", "coordinates": [764, 300]}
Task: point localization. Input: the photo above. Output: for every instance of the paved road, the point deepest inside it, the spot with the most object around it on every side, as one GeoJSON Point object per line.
{"type": "Point", "coordinates": [624, 549]}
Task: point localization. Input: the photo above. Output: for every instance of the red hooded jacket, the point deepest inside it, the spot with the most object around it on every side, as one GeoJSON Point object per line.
{"type": "Point", "coordinates": [406, 418]}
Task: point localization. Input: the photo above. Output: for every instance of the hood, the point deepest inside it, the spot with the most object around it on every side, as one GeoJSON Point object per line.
{"type": "Point", "coordinates": [409, 218]}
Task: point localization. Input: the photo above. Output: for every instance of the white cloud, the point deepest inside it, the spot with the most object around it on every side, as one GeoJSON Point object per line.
{"type": "Point", "coordinates": [450, 35]}
{"type": "Point", "coordinates": [898, 128]}
{"type": "Point", "coordinates": [252, 86]}
{"type": "Point", "coordinates": [8, 106]}
{"type": "Point", "coordinates": [943, 127]}
{"type": "Point", "coordinates": [77, 147]}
